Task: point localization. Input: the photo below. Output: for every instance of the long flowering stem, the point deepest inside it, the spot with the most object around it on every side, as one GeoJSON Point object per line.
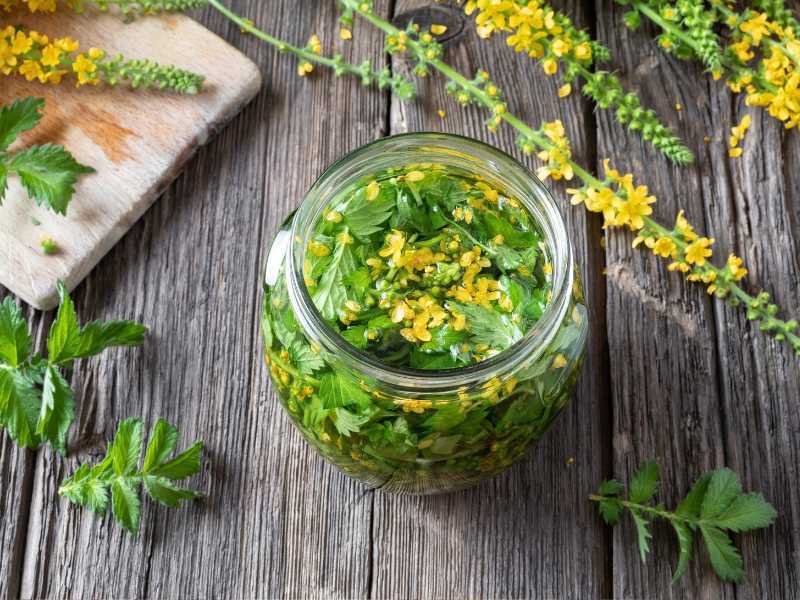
{"type": "Point", "coordinates": [625, 206]}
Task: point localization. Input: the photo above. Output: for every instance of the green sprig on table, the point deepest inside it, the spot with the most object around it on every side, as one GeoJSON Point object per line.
{"type": "Point", "coordinates": [714, 506]}
{"type": "Point", "coordinates": [37, 404]}
{"type": "Point", "coordinates": [49, 172]}
{"type": "Point", "coordinates": [120, 476]}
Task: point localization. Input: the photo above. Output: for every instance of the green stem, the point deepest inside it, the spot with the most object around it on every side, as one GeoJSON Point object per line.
{"type": "Point", "coordinates": [670, 28]}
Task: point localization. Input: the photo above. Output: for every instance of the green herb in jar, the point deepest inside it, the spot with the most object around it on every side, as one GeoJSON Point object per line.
{"type": "Point", "coordinates": [428, 269]}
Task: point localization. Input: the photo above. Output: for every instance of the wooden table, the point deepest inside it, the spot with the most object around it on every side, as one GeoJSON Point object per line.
{"type": "Point", "coordinates": [670, 374]}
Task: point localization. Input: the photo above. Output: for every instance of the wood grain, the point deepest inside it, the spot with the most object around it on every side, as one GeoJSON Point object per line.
{"type": "Point", "coordinates": [530, 532]}
{"type": "Point", "coordinates": [137, 142]}
{"type": "Point", "coordinates": [670, 374]}
{"type": "Point", "coordinates": [695, 385]}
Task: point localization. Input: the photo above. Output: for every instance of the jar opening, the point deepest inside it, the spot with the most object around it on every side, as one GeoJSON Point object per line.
{"type": "Point", "coordinates": [459, 154]}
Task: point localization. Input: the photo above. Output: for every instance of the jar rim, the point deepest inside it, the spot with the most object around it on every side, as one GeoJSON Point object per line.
{"type": "Point", "coordinates": [498, 165]}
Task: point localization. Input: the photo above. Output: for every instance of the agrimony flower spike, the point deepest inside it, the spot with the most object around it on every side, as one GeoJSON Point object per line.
{"type": "Point", "coordinates": [37, 58]}
{"type": "Point", "coordinates": [533, 27]}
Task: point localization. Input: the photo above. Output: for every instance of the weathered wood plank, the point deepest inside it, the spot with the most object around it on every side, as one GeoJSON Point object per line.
{"type": "Point", "coordinates": [530, 532]}
{"type": "Point", "coordinates": [694, 385]}
{"type": "Point", "coordinates": [277, 521]}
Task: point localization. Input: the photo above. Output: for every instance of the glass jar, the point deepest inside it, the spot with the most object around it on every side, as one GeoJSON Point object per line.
{"type": "Point", "coordinates": [408, 430]}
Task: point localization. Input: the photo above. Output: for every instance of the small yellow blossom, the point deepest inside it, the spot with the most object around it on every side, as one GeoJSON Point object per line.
{"type": "Point", "coordinates": [415, 176]}
{"type": "Point", "coordinates": [438, 29]}
{"type": "Point", "coordinates": [565, 90]}
{"type": "Point", "coordinates": [734, 265]}
{"type": "Point", "coordinates": [698, 251]}
{"type": "Point", "coordinates": [373, 189]}
{"type": "Point", "coordinates": [345, 34]}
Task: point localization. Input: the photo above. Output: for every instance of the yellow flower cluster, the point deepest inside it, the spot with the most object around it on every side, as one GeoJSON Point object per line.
{"type": "Point", "coordinates": [773, 81]}
{"type": "Point", "coordinates": [314, 45]}
{"type": "Point", "coordinates": [43, 6]}
{"type": "Point", "coordinates": [35, 57]}
{"type": "Point", "coordinates": [534, 30]}
{"type": "Point", "coordinates": [557, 157]}
{"type": "Point", "coordinates": [737, 135]}
{"type": "Point", "coordinates": [621, 202]}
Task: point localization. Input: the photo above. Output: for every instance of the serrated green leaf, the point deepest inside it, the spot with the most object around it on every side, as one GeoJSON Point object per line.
{"type": "Point", "coordinates": [725, 558]}
{"type": "Point", "coordinates": [126, 448]}
{"type": "Point", "coordinates": [644, 483]}
{"type": "Point", "coordinates": [184, 465]}
{"type": "Point", "coordinates": [304, 358]}
{"type": "Point", "coordinates": [723, 488]}
{"type": "Point", "coordinates": [125, 504]}
{"type": "Point", "coordinates": [329, 294]}
{"type": "Point", "coordinates": [162, 442]}
{"type": "Point", "coordinates": [19, 407]}
{"type": "Point", "coordinates": [748, 511]}
{"type": "Point", "coordinates": [48, 173]}
{"type": "Point", "coordinates": [347, 422]}
{"type": "Point", "coordinates": [610, 509]}
{"type": "Point", "coordinates": [685, 539]}
{"type": "Point", "coordinates": [86, 488]}
{"type": "Point", "coordinates": [365, 217]}
{"type": "Point", "coordinates": [643, 534]}
{"type": "Point", "coordinates": [64, 338]}
{"type": "Point", "coordinates": [337, 389]}
{"type": "Point", "coordinates": [162, 490]}
{"type": "Point", "coordinates": [98, 336]}
{"type": "Point", "coordinates": [489, 327]}
{"type": "Point", "coordinates": [20, 116]}
{"type": "Point", "coordinates": [610, 487]}
{"type": "Point", "coordinates": [57, 410]}
{"type": "Point", "coordinates": [15, 341]}
{"type": "Point", "coordinates": [692, 503]}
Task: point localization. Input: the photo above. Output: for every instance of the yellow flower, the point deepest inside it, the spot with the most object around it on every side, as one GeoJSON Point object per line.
{"type": "Point", "coordinates": [345, 34]}
{"type": "Point", "coordinates": [635, 207]}
{"type": "Point", "coordinates": [21, 44]}
{"type": "Point", "coordinates": [583, 51]}
{"type": "Point", "coordinates": [414, 176]}
{"type": "Point", "coordinates": [318, 249]}
{"type": "Point", "coordinates": [698, 251]}
{"type": "Point", "coordinates": [417, 406]}
{"type": "Point", "coordinates": [438, 29]}
{"type": "Point", "coordinates": [734, 265]}
{"type": "Point", "coordinates": [564, 90]}
{"type": "Point", "coordinates": [401, 312]}
{"type": "Point", "coordinates": [684, 228]}
{"type": "Point", "coordinates": [756, 27]}
{"type": "Point", "coordinates": [663, 247]}
{"type": "Point", "coordinates": [85, 70]}
{"type": "Point", "coordinates": [394, 245]}
{"type": "Point", "coordinates": [550, 66]}
{"type": "Point", "coordinates": [314, 44]}
{"type": "Point", "coordinates": [304, 68]}
{"type": "Point", "coordinates": [51, 56]}
{"type": "Point", "coordinates": [373, 189]}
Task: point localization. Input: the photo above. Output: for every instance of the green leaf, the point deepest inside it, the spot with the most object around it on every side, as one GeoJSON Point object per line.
{"type": "Point", "coordinates": [125, 504]}
{"type": "Point", "coordinates": [723, 488]}
{"type": "Point", "coordinates": [347, 422]}
{"type": "Point", "coordinates": [15, 341]}
{"type": "Point", "coordinates": [98, 336]}
{"type": "Point", "coordinates": [610, 487]}
{"type": "Point", "coordinates": [162, 490]}
{"type": "Point", "coordinates": [86, 488]}
{"type": "Point", "coordinates": [643, 534]}
{"type": "Point", "coordinates": [725, 558]}
{"type": "Point", "coordinates": [49, 174]}
{"type": "Point", "coordinates": [490, 327]}
{"type": "Point", "coordinates": [22, 115]}
{"type": "Point", "coordinates": [57, 410]}
{"type": "Point", "coordinates": [748, 511]}
{"type": "Point", "coordinates": [304, 358]}
{"type": "Point", "coordinates": [126, 448]}
{"type": "Point", "coordinates": [337, 389]}
{"type": "Point", "coordinates": [162, 442]}
{"type": "Point", "coordinates": [3, 182]}
{"type": "Point", "coordinates": [64, 339]}
{"type": "Point", "coordinates": [610, 509]}
{"type": "Point", "coordinates": [184, 465]}
{"type": "Point", "coordinates": [365, 217]}
{"type": "Point", "coordinates": [644, 483]}
{"type": "Point", "coordinates": [691, 504]}
{"type": "Point", "coordinates": [329, 295]}
{"type": "Point", "coordinates": [513, 236]}
{"type": "Point", "coordinates": [19, 407]}
{"type": "Point", "coordinates": [685, 539]}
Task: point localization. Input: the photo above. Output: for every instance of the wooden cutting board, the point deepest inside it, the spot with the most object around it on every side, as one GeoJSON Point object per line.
{"type": "Point", "coordinates": [137, 141]}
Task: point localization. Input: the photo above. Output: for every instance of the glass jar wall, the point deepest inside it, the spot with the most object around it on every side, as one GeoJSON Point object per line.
{"type": "Point", "coordinates": [409, 430]}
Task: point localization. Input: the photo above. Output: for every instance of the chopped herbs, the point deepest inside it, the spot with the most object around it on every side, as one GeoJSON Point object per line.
{"type": "Point", "coordinates": [426, 269]}
{"type": "Point", "coordinates": [421, 255]}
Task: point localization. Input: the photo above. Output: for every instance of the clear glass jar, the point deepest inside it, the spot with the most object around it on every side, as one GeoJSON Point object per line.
{"type": "Point", "coordinates": [422, 431]}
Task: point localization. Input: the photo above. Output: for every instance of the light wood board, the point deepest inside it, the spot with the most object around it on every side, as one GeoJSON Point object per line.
{"type": "Point", "coordinates": [137, 142]}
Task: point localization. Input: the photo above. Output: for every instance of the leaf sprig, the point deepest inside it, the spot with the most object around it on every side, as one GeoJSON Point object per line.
{"type": "Point", "coordinates": [36, 402]}
{"type": "Point", "coordinates": [48, 173]}
{"type": "Point", "coordinates": [120, 476]}
{"type": "Point", "coordinates": [714, 506]}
